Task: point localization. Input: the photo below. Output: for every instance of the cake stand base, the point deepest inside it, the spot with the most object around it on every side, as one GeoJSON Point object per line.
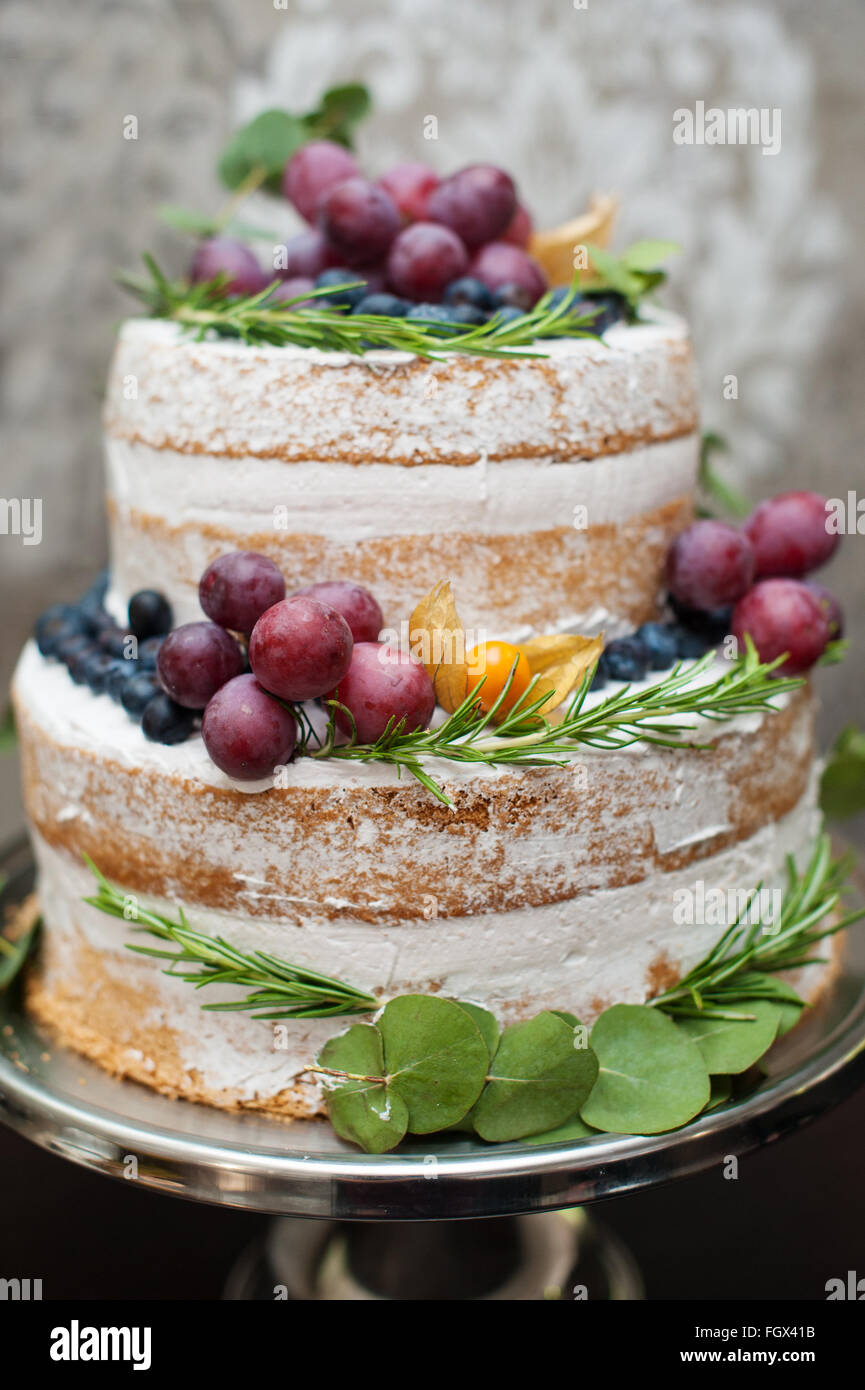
{"type": "Point", "coordinates": [554, 1255]}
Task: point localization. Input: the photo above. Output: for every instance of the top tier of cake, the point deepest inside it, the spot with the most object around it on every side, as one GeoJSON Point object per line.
{"type": "Point", "coordinates": [546, 489]}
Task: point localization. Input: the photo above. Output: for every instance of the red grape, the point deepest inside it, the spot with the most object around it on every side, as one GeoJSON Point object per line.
{"type": "Point", "coordinates": [195, 660]}
{"type": "Point", "coordinates": [312, 171]}
{"type": "Point", "coordinates": [221, 255]}
{"type": "Point", "coordinates": [423, 259]}
{"type": "Point", "coordinates": [789, 534]}
{"type": "Point", "coordinates": [237, 588]}
{"type": "Point", "coordinates": [359, 220]}
{"type": "Point", "coordinates": [410, 184]}
{"type": "Point", "coordinates": [306, 254]}
{"type": "Point", "coordinates": [709, 565]}
{"type": "Point", "coordinates": [246, 732]}
{"type": "Point", "coordinates": [300, 648]}
{"type": "Point", "coordinates": [477, 203]}
{"type": "Point", "coordinates": [500, 263]}
{"type": "Point", "coordinates": [519, 229]}
{"type": "Point", "coordinates": [831, 607]}
{"type": "Point", "coordinates": [383, 683]}
{"type": "Point", "coordinates": [356, 605]}
{"type": "Point", "coordinates": [293, 289]}
{"type": "Point", "coordinates": [781, 615]}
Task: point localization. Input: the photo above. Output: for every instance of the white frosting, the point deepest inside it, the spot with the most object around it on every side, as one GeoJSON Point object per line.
{"type": "Point", "coordinates": [228, 397]}
{"type": "Point", "coordinates": [522, 480]}
{"type": "Point", "coordinates": [72, 715]}
{"type": "Point", "coordinates": [580, 954]}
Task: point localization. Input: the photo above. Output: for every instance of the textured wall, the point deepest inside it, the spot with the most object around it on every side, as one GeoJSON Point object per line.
{"type": "Point", "coordinates": [570, 99]}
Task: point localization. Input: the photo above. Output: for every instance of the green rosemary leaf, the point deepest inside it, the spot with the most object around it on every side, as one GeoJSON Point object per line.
{"type": "Point", "coordinates": [304, 992]}
{"type": "Point", "coordinates": [202, 309]}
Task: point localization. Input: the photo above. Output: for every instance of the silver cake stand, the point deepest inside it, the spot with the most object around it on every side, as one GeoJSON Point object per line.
{"type": "Point", "coordinates": [302, 1170]}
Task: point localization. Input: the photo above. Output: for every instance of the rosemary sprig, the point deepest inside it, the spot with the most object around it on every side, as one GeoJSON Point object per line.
{"type": "Point", "coordinates": [734, 971]}
{"type": "Point", "coordinates": [202, 309]}
{"type": "Point", "coordinates": [278, 989]}
{"type": "Point", "coordinates": [661, 714]}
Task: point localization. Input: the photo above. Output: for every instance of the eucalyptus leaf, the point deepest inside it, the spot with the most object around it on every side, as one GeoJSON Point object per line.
{"type": "Point", "coordinates": [341, 108]}
{"type": "Point", "coordinates": [487, 1023]}
{"type": "Point", "coordinates": [842, 787]}
{"type": "Point", "coordinates": [652, 1078]}
{"type": "Point", "coordinates": [648, 255]}
{"type": "Point", "coordinates": [729, 1046]}
{"type": "Point", "coordinates": [615, 273]}
{"type": "Point", "coordinates": [538, 1079]}
{"type": "Point", "coordinates": [722, 1089]}
{"type": "Point", "coordinates": [264, 143]}
{"type": "Point", "coordinates": [435, 1057]}
{"type": "Point", "coordinates": [570, 1130]}
{"type": "Point", "coordinates": [789, 1015]}
{"type": "Point", "coordinates": [361, 1107]}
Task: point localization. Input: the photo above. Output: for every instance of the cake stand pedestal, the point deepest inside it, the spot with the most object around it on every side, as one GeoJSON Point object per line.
{"type": "Point", "coordinates": [302, 1170]}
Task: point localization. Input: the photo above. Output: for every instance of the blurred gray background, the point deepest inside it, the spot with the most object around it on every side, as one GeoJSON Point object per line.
{"type": "Point", "coordinates": [569, 96]}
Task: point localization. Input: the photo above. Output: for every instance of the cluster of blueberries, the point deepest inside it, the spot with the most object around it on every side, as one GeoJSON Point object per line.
{"type": "Point", "coordinates": [464, 301]}
{"type": "Point", "coordinates": [658, 646]}
{"type": "Point", "coordinates": [115, 661]}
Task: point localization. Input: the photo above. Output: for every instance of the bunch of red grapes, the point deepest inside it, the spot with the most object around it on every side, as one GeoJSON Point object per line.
{"type": "Point", "coordinates": [414, 239]}
{"type": "Point", "coordinates": [752, 580]}
{"type": "Point", "coordinates": [321, 642]}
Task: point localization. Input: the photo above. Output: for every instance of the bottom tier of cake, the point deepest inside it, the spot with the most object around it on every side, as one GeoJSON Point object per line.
{"type": "Point", "coordinates": [122, 1011]}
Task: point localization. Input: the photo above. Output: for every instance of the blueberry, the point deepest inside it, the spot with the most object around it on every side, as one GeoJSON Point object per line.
{"type": "Point", "coordinates": [626, 659]}
{"type": "Point", "coordinates": [114, 641]}
{"type": "Point", "coordinates": [515, 297]}
{"type": "Point", "coordinates": [690, 645]}
{"type": "Point", "coordinates": [78, 660]}
{"type": "Point", "coordinates": [440, 317]}
{"type": "Point", "coordinates": [599, 679]}
{"type": "Point", "coordinates": [468, 290]}
{"type": "Point", "coordinates": [468, 313]}
{"type": "Point", "coordinates": [659, 640]}
{"type": "Point", "coordinates": [165, 722]}
{"type": "Point", "coordinates": [149, 614]}
{"type": "Point", "coordinates": [389, 304]}
{"type": "Point", "coordinates": [507, 314]}
{"type": "Point", "coordinates": [148, 651]}
{"type": "Point", "coordinates": [611, 308]}
{"type": "Point", "coordinates": [137, 692]}
{"type": "Point", "coordinates": [713, 624]}
{"type": "Point", "coordinates": [119, 673]}
{"type": "Point", "coordinates": [69, 648]}
{"type": "Point", "coordinates": [343, 299]}
{"type": "Point", "coordinates": [92, 613]}
{"type": "Point", "coordinates": [60, 621]}
{"type": "Point", "coordinates": [94, 670]}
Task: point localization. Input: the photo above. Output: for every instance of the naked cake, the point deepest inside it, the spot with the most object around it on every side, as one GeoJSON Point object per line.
{"type": "Point", "coordinates": [551, 486]}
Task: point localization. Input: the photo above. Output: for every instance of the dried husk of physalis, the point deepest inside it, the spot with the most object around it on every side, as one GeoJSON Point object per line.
{"type": "Point", "coordinates": [555, 250]}
{"type": "Point", "coordinates": [437, 638]}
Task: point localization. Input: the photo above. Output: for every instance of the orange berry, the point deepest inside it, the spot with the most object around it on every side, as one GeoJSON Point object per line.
{"type": "Point", "coordinates": [495, 661]}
